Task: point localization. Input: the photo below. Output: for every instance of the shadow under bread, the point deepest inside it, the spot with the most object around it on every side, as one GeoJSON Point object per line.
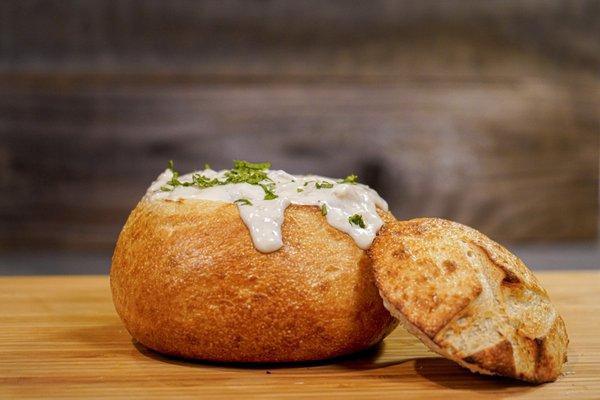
{"type": "Point", "coordinates": [437, 370]}
{"type": "Point", "coordinates": [364, 359]}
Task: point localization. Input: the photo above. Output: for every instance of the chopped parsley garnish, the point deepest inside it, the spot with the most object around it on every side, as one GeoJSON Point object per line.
{"type": "Point", "coordinates": [299, 190]}
{"type": "Point", "coordinates": [244, 202]}
{"type": "Point", "coordinates": [323, 209]}
{"type": "Point", "coordinates": [357, 219]}
{"type": "Point", "coordinates": [324, 184]}
{"type": "Point", "coordinates": [241, 164]}
{"type": "Point", "coordinates": [242, 172]}
{"type": "Point", "coordinates": [174, 181]}
{"type": "Point", "coordinates": [269, 194]}
{"type": "Point", "coordinates": [351, 179]}
{"type": "Point", "coordinates": [202, 181]}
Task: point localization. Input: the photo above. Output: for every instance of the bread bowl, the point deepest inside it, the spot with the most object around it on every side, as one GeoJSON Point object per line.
{"type": "Point", "coordinates": [469, 299]}
{"type": "Point", "coordinates": [254, 265]}
{"type": "Point", "coordinates": [188, 278]}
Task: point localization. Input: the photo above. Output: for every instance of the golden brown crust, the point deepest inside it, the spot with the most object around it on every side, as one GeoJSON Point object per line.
{"type": "Point", "coordinates": [497, 359]}
{"type": "Point", "coordinates": [187, 281]}
{"type": "Point", "coordinates": [469, 299]}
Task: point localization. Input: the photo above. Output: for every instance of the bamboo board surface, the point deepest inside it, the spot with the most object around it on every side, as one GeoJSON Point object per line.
{"type": "Point", "coordinates": [61, 338]}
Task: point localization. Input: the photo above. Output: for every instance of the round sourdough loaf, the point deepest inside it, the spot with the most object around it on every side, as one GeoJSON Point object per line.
{"type": "Point", "coordinates": [187, 281]}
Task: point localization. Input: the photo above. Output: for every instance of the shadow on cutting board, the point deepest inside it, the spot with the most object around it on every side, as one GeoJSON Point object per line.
{"type": "Point", "coordinates": [437, 370]}
{"type": "Point", "coordinates": [450, 375]}
{"type": "Point", "coordinates": [364, 360]}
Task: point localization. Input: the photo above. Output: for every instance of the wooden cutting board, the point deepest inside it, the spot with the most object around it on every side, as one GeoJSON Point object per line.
{"type": "Point", "coordinates": [60, 338]}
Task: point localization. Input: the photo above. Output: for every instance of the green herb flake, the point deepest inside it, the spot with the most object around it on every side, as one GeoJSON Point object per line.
{"type": "Point", "coordinates": [166, 188]}
{"type": "Point", "coordinates": [244, 202]}
{"type": "Point", "coordinates": [351, 179]}
{"type": "Point", "coordinates": [242, 172]}
{"type": "Point", "coordinates": [357, 219]}
{"type": "Point", "coordinates": [202, 181]}
{"type": "Point", "coordinates": [299, 190]}
{"type": "Point", "coordinates": [323, 209]}
{"type": "Point", "coordinates": [247, 172]}
{"type": "Point", "coordinates": [269, 194]}
{"type": "Point", "coordinates": [174, 181]}
{"type": "Point", "coordinates": [324, 184]}
{"type": "Point", "coordinates": [241, 164]}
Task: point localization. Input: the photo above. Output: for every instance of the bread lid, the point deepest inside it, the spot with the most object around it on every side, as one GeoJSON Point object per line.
{"type": "Point", "coordinates": [468, 299]}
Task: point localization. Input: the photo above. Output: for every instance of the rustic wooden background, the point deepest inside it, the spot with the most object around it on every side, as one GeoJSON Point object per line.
{"type": "Point", "coordinates": [483, 112]}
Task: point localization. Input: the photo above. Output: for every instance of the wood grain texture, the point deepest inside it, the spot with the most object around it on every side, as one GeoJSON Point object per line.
{"type": "Point", "coordinates": [60, 338]}
{"type": "Point", "coordinates": [511, 159]}
{"type": "Point", "coordinates": [480, 112]}
{"type": "Point", "coordinates": [239, 37]}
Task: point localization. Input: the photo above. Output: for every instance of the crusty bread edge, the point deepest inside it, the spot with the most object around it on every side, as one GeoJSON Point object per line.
{"type": "Point", "coordinates": [414, 330]}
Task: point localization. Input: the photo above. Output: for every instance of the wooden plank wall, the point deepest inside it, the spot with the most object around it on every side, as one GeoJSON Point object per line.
{"type": "Point", "coordinates": [483, 112]}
